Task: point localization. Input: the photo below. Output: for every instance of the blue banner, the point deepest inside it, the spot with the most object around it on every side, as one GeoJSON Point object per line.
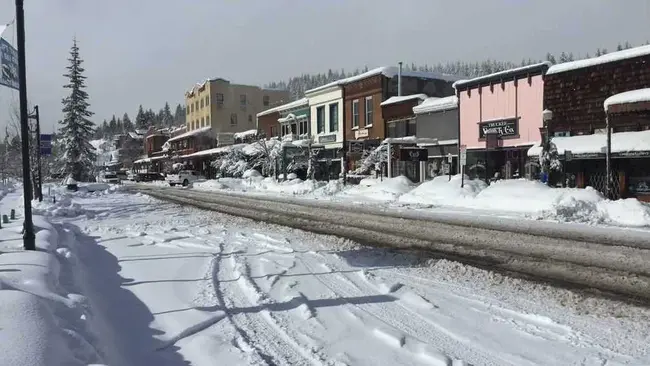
{"type": "Point", "coordinates": [46, 144]}
{"type": "Point", "coordinates": [9, 62]}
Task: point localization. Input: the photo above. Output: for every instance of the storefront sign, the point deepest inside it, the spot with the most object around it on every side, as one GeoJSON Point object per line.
{"type": "Point", "coordinates": [502, 128]}
{"type": "Point", "coordinates": [355, 146]}
{"type": "Point", "coordinates": [414, 154]}
{"type": "Point", "coordinates": [360, 133]}
{"type": "Point", "coordinates": [327, 138]}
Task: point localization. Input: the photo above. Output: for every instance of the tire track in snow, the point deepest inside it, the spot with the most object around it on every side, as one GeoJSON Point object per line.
{"type": "Point", "coordinates": [270, 339]}
{"type": "Point", "coordinates": [395, 326]}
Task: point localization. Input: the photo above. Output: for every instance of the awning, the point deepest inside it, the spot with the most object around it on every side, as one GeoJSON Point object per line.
{"type": "Point", "coordinates": [149, 160]}
{"type": "Point", "coordinates": [624, 145]}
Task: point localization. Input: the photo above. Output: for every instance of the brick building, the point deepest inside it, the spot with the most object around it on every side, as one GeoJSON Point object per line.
{"type": "Point", "coordinates": [574, 94]}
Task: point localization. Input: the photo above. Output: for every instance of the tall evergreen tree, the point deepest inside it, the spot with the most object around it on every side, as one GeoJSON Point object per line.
{"type": "Point", "coordinates": [126, 123]}
{"type": "Point", "coordinates": [141, 119]}
{"type": "Point", "coordinates": [112, 126]}
{"type": "Point", "coordinates": [179, 115]}
{"type": "Point", "coordinates": [76, 128]}
{"type": "Point", "coordinates": [167, 117]}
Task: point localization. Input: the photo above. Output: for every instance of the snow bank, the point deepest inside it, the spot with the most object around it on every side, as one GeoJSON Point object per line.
{"type": "Point", "coordinates": [41, 322]}
{"type": "Point", "coordinates": [442, 191]}
{"type": "Point", "coordinates": [521, 198]}
{"type": "Point", "coordinates": [388, 189]}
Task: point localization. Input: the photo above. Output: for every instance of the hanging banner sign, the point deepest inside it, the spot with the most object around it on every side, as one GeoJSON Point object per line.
{"type": "Point", "coordinates": [9, 62]}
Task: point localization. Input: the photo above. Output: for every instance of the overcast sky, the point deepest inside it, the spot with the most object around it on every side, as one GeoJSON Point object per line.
{"type": "Point", "coordinates": [150, 51]}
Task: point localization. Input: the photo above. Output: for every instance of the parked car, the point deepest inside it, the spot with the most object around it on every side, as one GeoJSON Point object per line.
{"type": "Point", "coordinates": [122, 175]}
{"type": "Point", "coordinates": [148, 177]}
{"type": "Point", "coordinates": [108, 177]}
{"type": "Point", "coordinates": [184, 177]}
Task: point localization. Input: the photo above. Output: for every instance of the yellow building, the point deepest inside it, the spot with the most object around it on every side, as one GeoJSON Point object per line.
{"type": "Point", "coordinates": [227, 107]}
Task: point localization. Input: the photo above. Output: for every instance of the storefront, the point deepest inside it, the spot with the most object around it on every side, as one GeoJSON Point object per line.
{"type": "Point", "coordinates": [584, 162]}
{"type": "Point", "coordinates": [500, 116]}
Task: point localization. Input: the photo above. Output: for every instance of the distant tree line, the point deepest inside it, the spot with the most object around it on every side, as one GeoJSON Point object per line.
{"type": "Point", "coordinates": [143, 120]}
{"type": "Point", "coordinates": [297, 85]}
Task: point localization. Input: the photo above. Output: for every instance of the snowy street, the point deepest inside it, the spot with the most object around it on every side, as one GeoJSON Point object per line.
{"type": "Point", "coordinates": [171, 285]}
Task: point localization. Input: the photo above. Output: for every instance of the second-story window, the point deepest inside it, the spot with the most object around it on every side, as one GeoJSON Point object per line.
{"type": "Point", "coordinates": [266, 100]}
{"type": "Point", "coordinates": [207, 120]}
{"type": "Point", "coordinates": [187, 109]}
{"type": "Point", "coordinates": [220, 100]}
{"type": "Point", "coordinates": [242, 102]}
{"type": "Point", "coordinates": [233, 119]}
{"type": "Point", "coordinates": [320, 119]}
{"type": "Point", "coordinates": [355, 113]}
{"type": "Point", "coordinates": [207, 100]}
{"type": "Point", "coordinates": [369, 115]}
{"type": "Point", "coordinates": [334, 117]}
{"type": "Point", "coordinates": [201, 103]}
{"type": "Point", "coordinates": [304, 127]}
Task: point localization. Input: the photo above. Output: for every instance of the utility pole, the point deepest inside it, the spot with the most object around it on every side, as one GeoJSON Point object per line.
{"type": "Point", "coordinates": [29, 241]}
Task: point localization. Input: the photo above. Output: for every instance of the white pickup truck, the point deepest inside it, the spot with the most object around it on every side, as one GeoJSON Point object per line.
{"type": "Point", "coordinates": [184, 178]}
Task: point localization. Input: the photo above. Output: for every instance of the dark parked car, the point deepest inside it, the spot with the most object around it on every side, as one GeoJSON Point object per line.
{"type": "Point", "coordinates": [148, 177]}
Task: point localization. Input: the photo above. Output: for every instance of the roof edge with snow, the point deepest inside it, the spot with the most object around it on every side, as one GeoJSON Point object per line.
{"type": "Point", "coordinates": [403, 98]}
{"type": "Point", "coordinates": [607, 58]}
{"type": "Point", "coordinates": [434, 104]}
{"type": "Point", "coordinates": [534, 69]}
{"type": "Point", "coordinates": [628, 97]}
{"type": "Point", "coordinates": [190, 133]}
{"type": "Point", "coordinates": [295, 104]}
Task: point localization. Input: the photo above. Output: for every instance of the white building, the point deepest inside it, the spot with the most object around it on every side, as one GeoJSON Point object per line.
{"type": "Point", "coordinates": [326, 117]}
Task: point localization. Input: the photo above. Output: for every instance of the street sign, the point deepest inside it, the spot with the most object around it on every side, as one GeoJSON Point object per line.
{"type": "Point", "coordinates": [46, 145]}
{"type": "Point", "coordinates": [445, 168]}
{"type": "Point", "coordinates": [450, 158]}
{"type": "Point", "coordinates": [463, 155]}
{"type": "Point", "coordinates": [9, 62]}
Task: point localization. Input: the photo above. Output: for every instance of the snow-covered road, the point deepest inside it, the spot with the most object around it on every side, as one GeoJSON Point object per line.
{"type": "Point", "coordinates": [171, 285]}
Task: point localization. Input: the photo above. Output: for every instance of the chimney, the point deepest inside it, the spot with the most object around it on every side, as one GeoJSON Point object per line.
{"type": "Point", "coordinates": [399, 80]}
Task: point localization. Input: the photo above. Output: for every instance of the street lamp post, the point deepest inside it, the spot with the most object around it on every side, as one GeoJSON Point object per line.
{"type": "Point", "coordinates": [608, 158]}
{"type": "Point", "coordinates": [29, 241]}
{"type": "Point", "coordinates": [547, 116]}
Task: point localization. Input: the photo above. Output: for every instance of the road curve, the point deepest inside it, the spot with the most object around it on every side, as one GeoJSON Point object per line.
{"type": "Point", "coordinates": [623, 271]}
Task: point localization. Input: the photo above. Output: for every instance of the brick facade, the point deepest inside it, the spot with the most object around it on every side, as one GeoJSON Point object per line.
{"type": "Point", "coordinates": [576, 97]}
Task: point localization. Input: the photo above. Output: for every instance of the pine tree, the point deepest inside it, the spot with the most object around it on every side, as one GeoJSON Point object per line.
{"type": "Point", "coordinates": [76, 129]}
{"type": "Point", "coordinates": [167, 118]}
{"type": "Point", "coordinates": [112, 126]}
{"type": "Point", "coordinates": [619, 47]}
{"type": "Point", "coordinates": [179, 115]}
{"type": "Point", "coordinates": [141, 119]}
{"type": "Point", "coordinates": [127, 125]}
{"type": "Point", "coordinates": [550, 58]}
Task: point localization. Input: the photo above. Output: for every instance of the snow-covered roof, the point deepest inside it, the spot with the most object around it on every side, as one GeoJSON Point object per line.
{"type": "Point", "coordinates": [191, 133]}
{"type": "Point", "coordinates": [292, 117]}
{"type": "Point", "coordinates": [403, 98]}
{"type": "Point", "coordinates": [284, 107]}
{"type": "Point", "coordinates": [215, 151]}
{"type": "Point", "coordinates": [542, 66]}
{"type": "Point", "coordinates": [610, 57]}
{"type": "Point", "coordinates": [135, 136]}
{"type": "Point", "coordinates": [436, 104]}
{"type": "Point", "coordinates": [245, 134]}
{"type": "Point", "coordinates": [410, 140]}
{"type": "Point", "coordinates": [148, 160]}
{"type": "Point", "coordinates": [622, 142]}
{"type": "Point", "coordinates": [389, 72]}
{"type": "Point", "coordinates": [632, 96]}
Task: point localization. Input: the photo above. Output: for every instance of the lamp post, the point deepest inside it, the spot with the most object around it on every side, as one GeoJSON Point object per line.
{"type": "Point", "coordinates": [547, 117]}
{"type": "Point", "coordinates": [608, 158]}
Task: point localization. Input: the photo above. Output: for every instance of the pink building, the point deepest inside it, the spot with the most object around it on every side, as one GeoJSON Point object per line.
{"type": "Point", "coordinates": [500, 116]}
